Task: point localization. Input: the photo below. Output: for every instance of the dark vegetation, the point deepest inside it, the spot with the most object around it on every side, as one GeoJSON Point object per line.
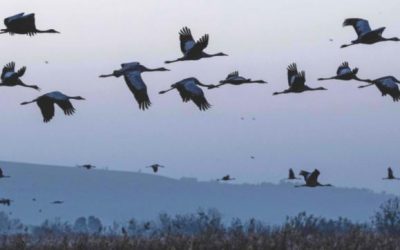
{"type": "Point", "coordinates": [205, 230]}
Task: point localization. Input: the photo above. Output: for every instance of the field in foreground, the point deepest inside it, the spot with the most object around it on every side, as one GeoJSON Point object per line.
{"type": "Point", "coordinates": [205, 230]}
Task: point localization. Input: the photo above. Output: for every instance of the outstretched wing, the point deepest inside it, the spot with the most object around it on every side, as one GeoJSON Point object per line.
{"type": "Point", "coordinates": [361, 26]}
{"type": "Point", "coordinates": [10, 19]}
{"type": "Point", "coordinates": [390, 173]}
{"type": "Point", "coordinates": [343, 69]}
{"type": "Point", "coordinates": [66, 106]}
{"type": "Point", "coordinates": [291, 174]}
{"type": "Point", "coordinates": [186, 38]}
{"type": "Point", "coordinates": [9, 67]}
{"type": "Point", "coordinates": [295, 79]}
{"type": "Point", "coordinates": [21, 71]}
{"type": "Point", "coordinates": [138, 88]}
{"type": "Point", "coordinates": [46, 106]}
{"type": "Point", "coordinates": [232, 75]}
{"type": "Point", "coordinates": [313, 178]}
{"type": "Point", "coordinates": [197, 96]}
{"type": "Point", "coordinates": [199, 46]}
{"type": "Point", "coordinates": [25, 24]}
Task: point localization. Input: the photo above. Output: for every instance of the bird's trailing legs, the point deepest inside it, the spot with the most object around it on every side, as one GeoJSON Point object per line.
{"type": "Point", "coordinates": [107, 75]}
{"type": "Point", "coordinates": [29, 86]}
{"type": "Point", "coordinates": [165, 91]}
{"type": "Point", "coordinates": [367, 85]}
{"type": "Point", "coordinates": [328, 78]}
{"type": "Point", "coordinates": [347, 45]}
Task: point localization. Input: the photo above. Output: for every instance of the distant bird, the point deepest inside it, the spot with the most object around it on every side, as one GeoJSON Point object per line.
{"type": "Point", "coordinates": [242, 118]}
{"type": "Point", "coordinates": [226, 178]}
{"type": "Point", "coordinates": [311, 179]}
{"type": "Point", "coordinates": [189, 90]}
{"type": "Point", "coordinates": [344, 72]}
{"type": "Point", "coordinates": [155, 167]}
{"type": "Point", "coordinates": [40, 210]}
{"type": "Point", "coordinates": [5, 202]}
{"type": "Point", "coordinates": [147, 226]}
{"type": "Point", "coordinates": [87, 166]}
{"type": "Point", "coordinates": [364, 32]}
{"type": "Point", "coordinates": [33, 199]}
{"type": "Point", "coordinates": [252, 157]}
{"type": "Point", "coordinates": [387, 86]}
{"type": "Point", "coordinates": [193, 50]}
{"type": "Point", "coordinates": [2, 174]}
{"type": "Point", "coordinates": [10, 78]}
{"type": "Point", "coordinates": [57, 202]}
{"type": "Point", "coordinates": [234, 79]}
{"type": "Point", "coordinates": [132, 74]}
{"type": "Point", "coordinates": [46, 62]}
{"type": "Point", "coordinates": [23, 24]}
{"type": "Point", "coordinates": [390, 175]}
{"type": "Point", "coordinates": [292, 176]}
{"type": "Point", "coordinates": [46, 104]}
{"type": "Point", "coordinates": [296, 81]}
{"type": "Point", "coordinates": [124, 232]}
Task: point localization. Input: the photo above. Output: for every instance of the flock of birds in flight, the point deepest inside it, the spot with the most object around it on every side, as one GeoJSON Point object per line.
{"type": "Point", "coordinates": [310, 179]}
{"type": "Point", "coordinates": [190, 88]}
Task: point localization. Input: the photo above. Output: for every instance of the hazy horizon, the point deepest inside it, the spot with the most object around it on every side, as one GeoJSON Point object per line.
{"type": "Point", "coordinates": [349, 134]}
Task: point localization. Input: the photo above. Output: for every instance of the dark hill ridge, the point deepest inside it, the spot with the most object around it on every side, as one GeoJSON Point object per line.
{"type": "Point", "coordinates": [119, 196]}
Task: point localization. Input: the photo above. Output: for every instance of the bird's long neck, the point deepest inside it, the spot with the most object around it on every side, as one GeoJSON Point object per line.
{"type": "Point", "coordinates": [157, 69]}
{"type": "Point", "coordinates": [212, 55]}
{"type": "Point", "coordinates": [211, 86]}
{"type": "Point", "coordinates": [361, 80]}
{"type": "Point", "coordinates": [394, 39]}
{"type": "Point", "coordinates": [75, 97]}
{"type": "Point", "coordinates": [205, 85]}
{"type": "Point", "coordinates": [47, 31]}
{"type": "Point", "coordinates": [256, 81]}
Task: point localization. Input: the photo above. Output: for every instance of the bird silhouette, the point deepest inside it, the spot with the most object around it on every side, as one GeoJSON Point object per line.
{"type": "Point", "coordinates": [23, 24]}
{"type": "Point", "coordinates": [292, 176]}
{"type": "Point", "coordinates": [132, 74]}
{"type": "Point", "coordinates": [226, 178]}
{"type": "Point", "coordinates": [87, 166]}
{"type": "Point", "coordinates": [364, 33]}
{"type": "Point", "coordinates": [296, 81]}
{"type": "Point", "coordinates": [57, 202]}
{"type": "Point", "coordinates": [2, 174]}
{"type": "Point", "coordinates": [235, 79]}
{"type": "Point", "coordinates": [6, 202]}
{"type": "Point", "coordinates": [387, 85]}
{"type": "Point", "coordinates": [311, 179]}
{"type": "Point", "coordinates": [193, 50]}
{"type": "Point", "coordinates": [155, 167]}
{"type": "Point", "coordinates": [46, 104]}
{"type": "Point", "coordinates": [189, 90]}
{"type": "Point", "coordinates": [11, 78]}
{"type": "Point", "coordinates": [345, 73]}
{"type": "Point", "coordinates": [390, 175]}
